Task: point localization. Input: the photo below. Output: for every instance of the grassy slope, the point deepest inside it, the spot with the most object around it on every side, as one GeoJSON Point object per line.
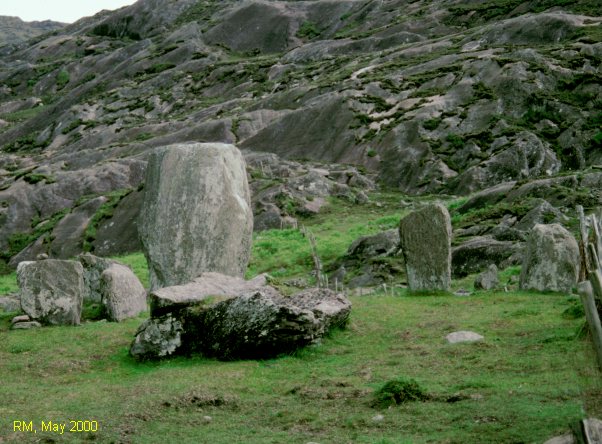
{"type": "Point", "coordinates": [529, 379]}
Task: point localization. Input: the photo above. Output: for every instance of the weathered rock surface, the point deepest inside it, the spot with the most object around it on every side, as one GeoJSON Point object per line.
{"type": "Point", "coordinates": [551, 261]}
{"type": "Point", "coordinates": [369, 261]}
{"type": "Point", "coordinates": [94, 266]}
{"type": "Point", "coordinates": [479, 252]}
{"type": "Point", "coordinates": [20, 318]}
{"type": "Point", "coordinates": [463, 336]}
{"type": "Point", "coordinates": [282, 189]}
{"type": "Point", "coordinates": [542, 213]}
{"type": "Point", "coordinates": [475, 99]}
{"type": "Point", "coordinates": [380, 244]}
{"type": "Point", "coordinates": [157, 338]}
{"type": "Point", "coordinates": [10, 303]}
{"type": "Point", "coordinates": [264, 324]}
{"type": "Point", "coordinates": [122, 293]}
{"type": "Point", "coordinates": [253, 325]}
{"type": "Point", "coordinates": [488, 279]}
{"type": "Point", "coordinates": [207, 285]}
{"type": "Point", "coordinates": [52, 291]}
{"type": "Point", "coordinates": [426, 245]}
{"type": "Point", "coordinates": [25, 325]}
{"type": "Point", "coordinates": [13, 30]}
{"type": "Point", "coordinates": [196, 214]}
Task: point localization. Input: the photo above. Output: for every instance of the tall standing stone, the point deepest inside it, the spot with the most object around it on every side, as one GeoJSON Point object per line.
{"type": "Point", "coordinates": [551, 262]}
{"type": "Point", "coordinates": [52, 291]}
{"type": "Point", "coordinates": [196, 215]}
{"type": "Point", "coordinates": [425, 237]}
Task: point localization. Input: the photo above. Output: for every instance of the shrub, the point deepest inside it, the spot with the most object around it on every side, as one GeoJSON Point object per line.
{"type": "Point", "coordinates": [62, 78]}
{"type": "Point", "coordinates": [308, 30]}
{"type": "Point", "coordinates": [159, 67]}
{"type": "Point", "coordinates": [455, 141]}
{"type": "Point", "coordinates": [431, 124]}
{"type": "Point", "coordinates": [399, 391]}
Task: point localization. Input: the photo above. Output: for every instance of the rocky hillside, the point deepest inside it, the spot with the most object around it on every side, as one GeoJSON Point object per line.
{"type": "Point", "coordinates": [443, 96]}
{"type": "Point", "coordinates": [13, 30]}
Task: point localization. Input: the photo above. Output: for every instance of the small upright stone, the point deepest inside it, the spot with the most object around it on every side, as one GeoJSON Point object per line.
{"type": "Point", "coordinates": [52, 291]}
{"type": "Point", "coordinates": [122, 293]}
{"type": "Point", "coordinates": [196, 215]}
{"type": "Point", "coordinates": [426, 245]}
{"type": "Point", "coordinates": [551, 262]}
{"type": "Point", "coordinates": [488, 279]}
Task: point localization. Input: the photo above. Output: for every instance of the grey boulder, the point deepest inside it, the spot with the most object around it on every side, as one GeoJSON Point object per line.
{"type": "Point", "coordinates": [123, 296]}
{"type": "Point", "coordinates": [196, 215]}
{"type": "Point", "coordinates": [10, 303]}
{"type": "Point", "coordinates": [254, 325]}
{"type": "Point", "coordinates": [264, 324]}
{"type": "Point", "coordinates": [25, 325]}
{"type": "Point", "coordinates": [381, 244]}
{"type": "Point", "coordinates": [551, 262]}
{"type": "Point", "coordinates": [488, 279]}
{"type": "Point", "coordinates": [157, 338]}
{"type": "Point", "coordinates": [52, 291]}
{"type": "Point", "coordinates": [94, 266]}
{"type": "Point", "coordinates": [479, 252]}
{"type": "Point", "coordinates": [463, 336]}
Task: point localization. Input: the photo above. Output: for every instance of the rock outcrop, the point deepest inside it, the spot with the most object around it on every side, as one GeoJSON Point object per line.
{"type": "Point", "coordinates": [479, 252]}
{"type": "Point", "coordinates": [551, 262]}
{"type": "Point", "coordinates": [426, 245]}
{"type": "Point", "coordinates": [369, 261]}
{"type": "Point", "coordinates": [52, 291]}
{"type": "Point", "coordinates": [435, 97]}
{"type": "Point", "coordinates": [196, 215]}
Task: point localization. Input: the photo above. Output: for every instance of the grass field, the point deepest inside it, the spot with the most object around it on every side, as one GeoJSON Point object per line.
{"type": "Point", "coordinates": [532, 375]}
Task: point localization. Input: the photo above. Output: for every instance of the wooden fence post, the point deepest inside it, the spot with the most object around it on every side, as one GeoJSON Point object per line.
{"type": "Point", "coordinates": [591, 313]}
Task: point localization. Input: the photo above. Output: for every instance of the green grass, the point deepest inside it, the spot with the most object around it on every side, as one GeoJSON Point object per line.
{"type": "Point", "coordinates": [62, 78]}
{"type": "Point", "coordinates": [525, 382]}
{"type": "Point", "coordinates": [25, 114]}
{"type": "Point", "coordinates": [137, 262]}
{"type": "Point", "coordinates": [8, 283]}
{"type": "Point", "coordinates": [286, 253]}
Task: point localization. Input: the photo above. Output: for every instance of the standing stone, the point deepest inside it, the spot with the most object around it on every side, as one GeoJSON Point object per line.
{"type": "Point", "coordinates": [122, 293]}
{"type": "Point", "coordinates": [52, 291]}
{"type": "Point", "coordinates": [196, 215]}
{"type": "Point", "coordinates": [551, 262]}
{"type": "Point", "coordinates": [425, 237]}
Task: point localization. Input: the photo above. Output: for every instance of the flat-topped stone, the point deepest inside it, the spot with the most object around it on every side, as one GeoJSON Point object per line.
{"type": "Point", "coordinates": [206, 285]}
